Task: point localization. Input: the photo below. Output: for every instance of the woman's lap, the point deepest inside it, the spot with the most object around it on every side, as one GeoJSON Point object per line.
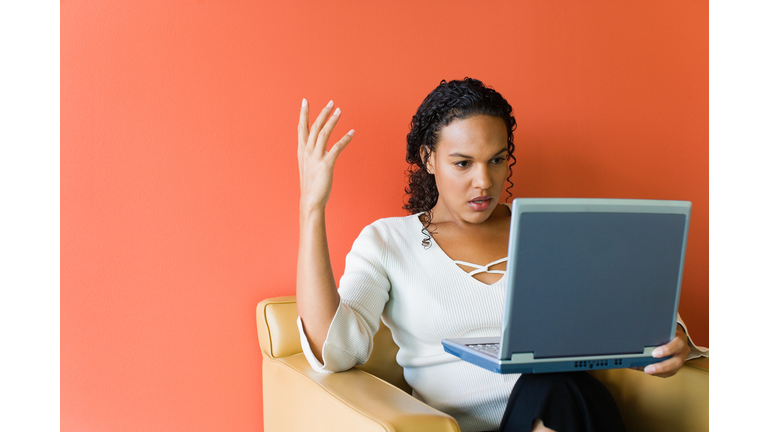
{"type": "Point", "coordinates": [565, 402]}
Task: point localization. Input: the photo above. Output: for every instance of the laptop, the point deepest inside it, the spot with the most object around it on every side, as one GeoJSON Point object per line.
{"type": "Point", "coordinates": [591, 284]}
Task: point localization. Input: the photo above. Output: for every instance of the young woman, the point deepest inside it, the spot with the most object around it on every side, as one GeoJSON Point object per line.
{"type": "Point", "coordinates": [437, 273]}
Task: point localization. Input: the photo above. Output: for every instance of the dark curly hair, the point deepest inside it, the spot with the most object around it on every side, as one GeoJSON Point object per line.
{"type": "Point", "coordinates": [458, 99]}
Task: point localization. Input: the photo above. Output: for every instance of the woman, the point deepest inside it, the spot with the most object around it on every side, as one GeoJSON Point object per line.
{"type": "Point", "coordinates": [438, 273]}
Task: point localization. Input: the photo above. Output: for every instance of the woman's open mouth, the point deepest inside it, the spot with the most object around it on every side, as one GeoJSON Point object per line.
{"type": "Point", "coordinates": [480, 203]}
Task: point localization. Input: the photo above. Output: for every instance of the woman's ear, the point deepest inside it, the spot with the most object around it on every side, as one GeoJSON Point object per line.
{"type": "Point", "coordinates": [426, 160]}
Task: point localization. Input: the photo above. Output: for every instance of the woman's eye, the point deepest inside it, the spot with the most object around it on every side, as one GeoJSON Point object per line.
{"type": "Point", "coordinates": [462, 164]}
{"type": "Point", "coordinates": [497, 160]}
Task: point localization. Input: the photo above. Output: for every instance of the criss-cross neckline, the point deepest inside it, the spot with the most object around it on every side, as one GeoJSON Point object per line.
{"type": "Point", "coordinates": [480, 268]}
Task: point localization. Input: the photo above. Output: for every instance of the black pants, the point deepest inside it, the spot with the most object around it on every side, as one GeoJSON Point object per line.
{"type": "Point", "coordinates": [565, 402]}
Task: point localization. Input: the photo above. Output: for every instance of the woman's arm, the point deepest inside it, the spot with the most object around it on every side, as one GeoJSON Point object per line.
{"type": "Point", "coordinates": [316, 296]}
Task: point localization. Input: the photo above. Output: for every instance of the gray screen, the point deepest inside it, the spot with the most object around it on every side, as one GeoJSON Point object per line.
{"type": "Point", "coordinates": [601, 275]}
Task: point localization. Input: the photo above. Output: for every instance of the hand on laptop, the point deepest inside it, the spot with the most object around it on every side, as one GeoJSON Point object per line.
{"type": "Point", "coordinates": [677, 348]}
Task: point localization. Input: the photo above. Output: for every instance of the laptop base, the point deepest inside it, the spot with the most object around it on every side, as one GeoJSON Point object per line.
{"type": "Point", "coordinates": [525, 363]}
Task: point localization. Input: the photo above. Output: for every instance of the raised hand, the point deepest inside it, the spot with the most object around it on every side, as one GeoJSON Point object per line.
{"type": "Point", "coordinates": [316, 295]}
{"type": "Point", "coordinates": [315, 163]}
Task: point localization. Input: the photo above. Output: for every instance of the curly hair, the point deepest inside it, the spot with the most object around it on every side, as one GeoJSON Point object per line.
{"type": "Point", "coordinates": [451, 100]}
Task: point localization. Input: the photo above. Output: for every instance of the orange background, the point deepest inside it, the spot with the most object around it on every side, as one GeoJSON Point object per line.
{"type": "Point", "coordinates": [179, 187]}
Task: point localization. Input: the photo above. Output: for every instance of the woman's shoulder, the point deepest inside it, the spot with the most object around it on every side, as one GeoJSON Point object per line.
{"type": "Point", "coordinates": [392, 230]}
{"type": "Point", "coordinates": [396, 225]}
{"type": "Point", "coordinates": [397, 222]}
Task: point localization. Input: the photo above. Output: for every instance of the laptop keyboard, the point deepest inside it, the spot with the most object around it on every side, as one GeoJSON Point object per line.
{"type": "Point", "coordinates": [491, 348]}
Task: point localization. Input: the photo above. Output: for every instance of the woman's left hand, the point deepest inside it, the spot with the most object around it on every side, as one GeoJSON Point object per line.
{"type": "Point", "coordinates": [678, 348]}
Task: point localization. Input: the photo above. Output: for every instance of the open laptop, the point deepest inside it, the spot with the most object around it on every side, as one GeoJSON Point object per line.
{"type": "Point", "coordinates": [591, 284]}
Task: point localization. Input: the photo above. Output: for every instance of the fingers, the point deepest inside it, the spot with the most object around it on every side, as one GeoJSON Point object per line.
{"type": "Point", "coordinates": [667, 368]}
{"type": "Point", "coordinates": [677, 348]}
{"type": "Point", "coordinates": [325, 132]}
{"type": "Point", "coordinates": [317, 127]}
{"type": "Point", "coordinates": [674, 346]}
{"type": "Point", "coordinates": [303, 130]}
{"type": "Point", "coordinates": [333, 153]}
{"type": "Point", "coordinates": [316, 138]}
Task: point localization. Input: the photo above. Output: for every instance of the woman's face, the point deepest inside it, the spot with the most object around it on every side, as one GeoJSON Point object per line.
{"type": "Point", "coordinates": [470, 167]}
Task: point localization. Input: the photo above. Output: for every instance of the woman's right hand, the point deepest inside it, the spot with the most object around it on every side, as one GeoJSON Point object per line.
{"type": "Point", "coordinates": [315, 163]}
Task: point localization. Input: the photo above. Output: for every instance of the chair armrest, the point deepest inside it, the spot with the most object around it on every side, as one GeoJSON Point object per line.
{"type": "Point", "coordinates": [296, 398]}
{"type": "Point", "coordinates": [276, 324]}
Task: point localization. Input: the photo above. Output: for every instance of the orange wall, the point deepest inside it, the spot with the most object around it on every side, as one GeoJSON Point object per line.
{"type": "Point", "coordinates": [179, 188]}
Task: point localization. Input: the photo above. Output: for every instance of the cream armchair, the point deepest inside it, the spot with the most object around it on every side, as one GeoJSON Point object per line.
{"type": "Point", "coordinates": [375, 396]}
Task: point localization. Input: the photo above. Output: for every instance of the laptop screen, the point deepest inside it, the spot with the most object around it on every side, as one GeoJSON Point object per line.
{"type": "Point", "coordinates": [593, 283]}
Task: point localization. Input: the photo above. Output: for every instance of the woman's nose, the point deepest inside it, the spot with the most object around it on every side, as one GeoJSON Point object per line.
{"type": "Point", "coordinates": [482, 178]}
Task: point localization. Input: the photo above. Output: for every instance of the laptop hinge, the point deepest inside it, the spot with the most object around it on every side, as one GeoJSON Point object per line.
{"type": "Point", "coordinates": [522, 357]}
{"type": "Point", "coordinates": [649, 350]}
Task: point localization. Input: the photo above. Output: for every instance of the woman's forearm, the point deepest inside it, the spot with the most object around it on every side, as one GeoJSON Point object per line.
{"type": "Point", "coordinates": [316, 295]}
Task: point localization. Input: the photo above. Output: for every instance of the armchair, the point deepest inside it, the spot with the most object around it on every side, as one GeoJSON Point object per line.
{"type": "Point", "coordinates": [375, 396]}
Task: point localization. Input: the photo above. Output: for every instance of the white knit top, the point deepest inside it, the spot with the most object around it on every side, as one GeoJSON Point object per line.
{"type": "Point", "coordinates": [423, 297]}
